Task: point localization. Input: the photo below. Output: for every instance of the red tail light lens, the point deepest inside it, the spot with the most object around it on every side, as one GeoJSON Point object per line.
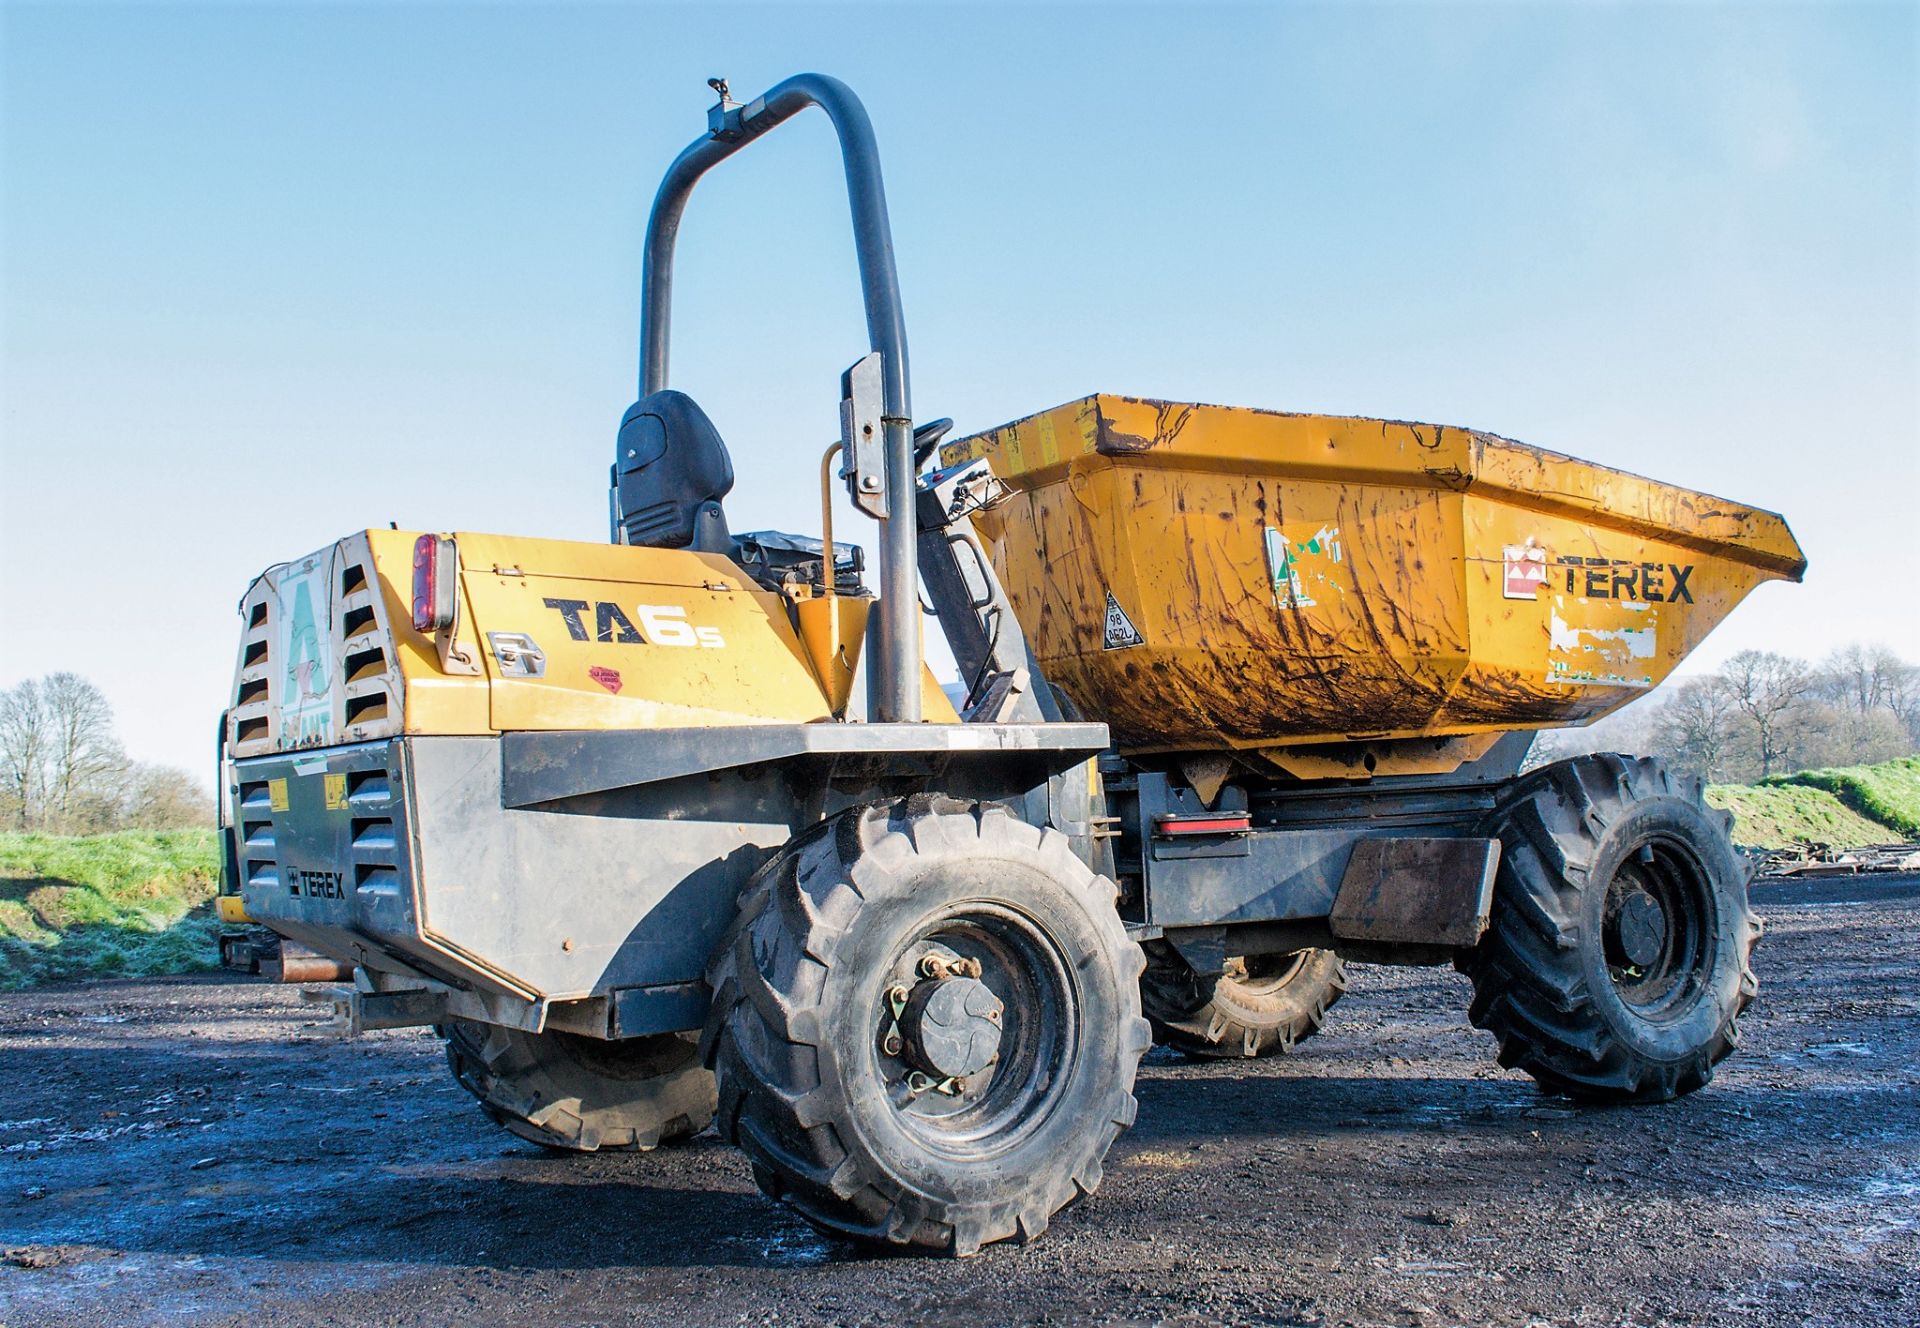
{"type": "Point", "coordinates": [1227, 823]}
{"type": "Point", "coordinates": [433, 576]}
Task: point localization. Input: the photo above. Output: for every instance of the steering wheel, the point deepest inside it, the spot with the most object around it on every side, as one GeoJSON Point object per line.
{"type": "Point", "coordinates": [927, 437]}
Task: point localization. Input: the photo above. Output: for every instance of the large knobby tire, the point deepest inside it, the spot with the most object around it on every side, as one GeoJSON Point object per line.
{"type": "Point", "coordinates": [1261, 1006]}
{"type": "Point", "coordinates": [580, 1093]}
{"type": "Point", "coordinates": [1617, 956]}
{"type": "Point", "coordinates": [829, 1093]}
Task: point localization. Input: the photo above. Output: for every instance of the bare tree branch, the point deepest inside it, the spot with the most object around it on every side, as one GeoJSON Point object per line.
{"type": "Point", "coordinates": [1766, 687]}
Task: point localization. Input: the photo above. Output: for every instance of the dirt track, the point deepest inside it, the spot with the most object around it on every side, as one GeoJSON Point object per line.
{"type": "Point", "coordinates": [192, 1150]}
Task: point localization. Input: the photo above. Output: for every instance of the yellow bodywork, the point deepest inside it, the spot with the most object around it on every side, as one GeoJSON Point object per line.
{"type": "Point", "coordinates": [549, 634]}
{"type": "Point", "coordinates": [1206, 578]}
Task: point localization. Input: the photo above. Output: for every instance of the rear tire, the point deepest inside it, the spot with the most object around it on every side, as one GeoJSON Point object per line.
{"type": "Point", "coordinates": [1618, 954]}
{"type": "Point", "coordinates": [579, 1093]}
{"type": "Point", "coordinates": [1261, 1006]}
{"type": "Point", "coordinates": [834, 1000]}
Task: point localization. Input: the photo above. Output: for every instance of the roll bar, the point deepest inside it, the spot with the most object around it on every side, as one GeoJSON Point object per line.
{"type": "Point", "coordinates": [893, 682]}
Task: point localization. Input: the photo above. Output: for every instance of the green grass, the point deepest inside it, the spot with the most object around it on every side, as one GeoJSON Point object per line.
{"type": "Point", "coordinates": [1888, 793]}
{"type": "Point", "coordinates": [131, 904]}
{"type": "Point", "coordinates": [1771, 816]}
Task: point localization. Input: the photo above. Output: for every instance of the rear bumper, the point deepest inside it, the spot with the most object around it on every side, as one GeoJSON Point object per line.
{"type": "Point", "coordinates": [318, 842]}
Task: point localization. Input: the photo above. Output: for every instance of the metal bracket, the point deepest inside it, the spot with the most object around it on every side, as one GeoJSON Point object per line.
{"type": "Point", "coordinates": [726, 116]}
{"type": "Point", "coordinates": [891, 1041]}
{"type": "Point", "coordinates": [863, 459]}
{"type": "Point", "coordinates": [918, 1083]}
{"type": "Point", "coordinates": [518, 655]}
{"type": "Point", "coordinates": [355, 1011]}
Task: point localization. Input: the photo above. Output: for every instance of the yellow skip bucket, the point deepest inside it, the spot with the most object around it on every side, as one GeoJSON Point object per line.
{"type": "Point", "coordinates": [1208, 578]}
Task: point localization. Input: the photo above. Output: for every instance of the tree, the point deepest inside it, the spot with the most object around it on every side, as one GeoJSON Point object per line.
{"type": "Point", "coordinates": [164, 797]}
{"type": "Point", "coordinates": [1696, 728]}
{"type": "Point", "coordinates": [24, 739]}
{"type": "Point", "coordinates": [62, 769]}
{"type": "Point", "coordinates": [1767, 688]}
{"type": "Point", "coordinates": [1820, 734]}
{"type": "Point", "coordinates": [83, 756]}
{"type": "Point", "coordinates": [1900, 691]}
{"type": "Point", "coordinates": [1865, 679]}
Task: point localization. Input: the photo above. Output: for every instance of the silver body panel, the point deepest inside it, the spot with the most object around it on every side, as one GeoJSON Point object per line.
{"type": "Point", "coordinates": [599, 905]}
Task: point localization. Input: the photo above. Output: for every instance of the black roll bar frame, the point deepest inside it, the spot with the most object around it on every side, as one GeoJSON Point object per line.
{"type": "Point", "coordinates": [893, 677]}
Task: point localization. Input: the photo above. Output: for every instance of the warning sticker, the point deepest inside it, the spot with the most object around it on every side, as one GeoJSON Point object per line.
{"type": "Point", "coordinates": [1120, 631]}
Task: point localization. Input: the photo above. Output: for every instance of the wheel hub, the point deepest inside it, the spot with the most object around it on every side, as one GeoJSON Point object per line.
{"type": "Point", "coordinates": [1641, 928]}
{"type": "Point", "coordinates": [951, 1027]}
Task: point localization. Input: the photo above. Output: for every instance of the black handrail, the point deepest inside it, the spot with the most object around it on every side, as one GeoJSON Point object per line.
{"type": "Point", "coordinates": [894, 669]}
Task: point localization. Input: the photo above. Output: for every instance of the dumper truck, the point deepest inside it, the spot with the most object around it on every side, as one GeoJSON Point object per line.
{"type": "Point", "coordinates": [677, 829]}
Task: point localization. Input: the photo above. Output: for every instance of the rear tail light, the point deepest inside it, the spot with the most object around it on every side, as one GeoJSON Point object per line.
{"type": "Point", "coordinates": [1226, 823]}
{"type": "Point", "coordinates": [433, 583]}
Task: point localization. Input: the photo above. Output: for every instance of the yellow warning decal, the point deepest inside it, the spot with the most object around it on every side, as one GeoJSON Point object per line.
{"type": "Point", "coordinates": [336, 792]}
{"type": "Point", "coordinates": [277, 794]}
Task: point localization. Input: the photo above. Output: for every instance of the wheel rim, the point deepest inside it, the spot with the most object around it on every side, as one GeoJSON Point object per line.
{"type": "Point", "coordinates": [1657, 928]}
{"type": "Point", "coordinates": [1262, 975]}
{"type": "Point", "coordinates": [1032, 983]}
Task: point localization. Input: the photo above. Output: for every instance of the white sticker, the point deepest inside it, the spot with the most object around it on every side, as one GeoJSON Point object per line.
{"type": "Point", "coordinates": [1523, 569]}
{"type": "Point", "coordinates": [1120, 631]}
{"type": "Point", "coordinates": [1291, 562]}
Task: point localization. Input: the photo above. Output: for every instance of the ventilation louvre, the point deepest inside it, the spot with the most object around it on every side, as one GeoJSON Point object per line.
{"type": "Point", "coordinates": [365, 664]}
{"type": "Point", "coordinates": [374, 834]}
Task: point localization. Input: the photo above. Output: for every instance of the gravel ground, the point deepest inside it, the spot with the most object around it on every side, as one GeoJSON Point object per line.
{"type": "Point", "coordinates": [197, 1150]}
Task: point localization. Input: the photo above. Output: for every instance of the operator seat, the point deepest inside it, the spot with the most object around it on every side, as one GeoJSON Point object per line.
{"type": "Point", "coordinates": [670, 472]}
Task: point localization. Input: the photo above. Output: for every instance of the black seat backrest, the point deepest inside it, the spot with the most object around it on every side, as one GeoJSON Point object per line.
{"type": "Point", "coordinates": [671, 470]}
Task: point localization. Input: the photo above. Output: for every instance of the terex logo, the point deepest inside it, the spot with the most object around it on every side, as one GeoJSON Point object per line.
{"type": "Point", "coordinates": [660, 624]}
{"type": "Point", "coordinates": [1616, 578]}
{"type": "Point", "coordinates": [316, 884]}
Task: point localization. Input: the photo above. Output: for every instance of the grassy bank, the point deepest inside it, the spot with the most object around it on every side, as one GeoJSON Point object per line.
{"type": "Point", "coordinates": [121, 905]}
{"type": "Point", "coordinates": [1888, 793]}
{"type": "Point", "coordinates": [1847, 808]}
{"type": "Point", "coordinates": [1772, 817]}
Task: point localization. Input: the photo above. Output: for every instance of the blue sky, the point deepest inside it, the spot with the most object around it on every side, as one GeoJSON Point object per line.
{"type": "Point", "coordinates": [272, 273]}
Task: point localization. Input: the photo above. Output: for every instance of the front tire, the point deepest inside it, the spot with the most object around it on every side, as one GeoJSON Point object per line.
{"type": "Point", "coordinates": [926, 1024]}
{"type": "Point", "coordinates": [1618, 953]}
